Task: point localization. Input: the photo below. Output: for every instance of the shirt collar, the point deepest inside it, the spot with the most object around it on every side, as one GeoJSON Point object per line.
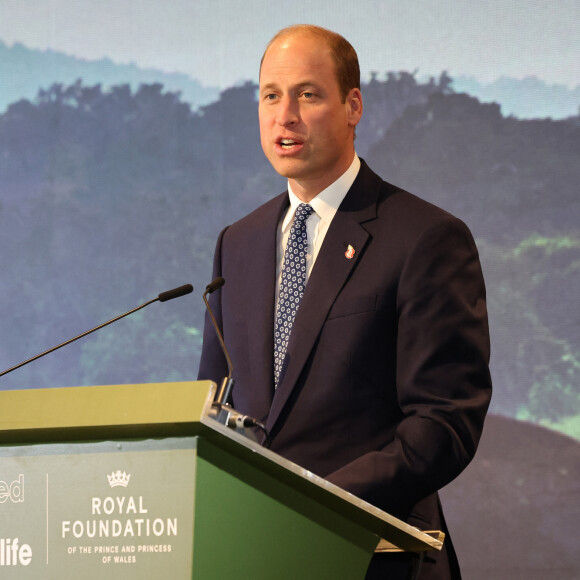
{"type": "Point", "coordinates": [327, 202]}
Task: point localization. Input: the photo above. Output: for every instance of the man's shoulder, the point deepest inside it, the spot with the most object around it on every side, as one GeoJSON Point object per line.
{"type": "Point", "coordinates": [264, 218]}
{"type": "Point", "coordinates": [272, 207]}
{"type": "Point", "coordinates": [394, 200]}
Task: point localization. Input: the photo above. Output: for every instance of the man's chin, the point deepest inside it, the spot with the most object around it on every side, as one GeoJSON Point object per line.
{"type": "Point", "coordinates": [289, 168]}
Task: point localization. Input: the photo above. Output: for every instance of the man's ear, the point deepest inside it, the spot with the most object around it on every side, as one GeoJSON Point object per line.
{"type": "Point", "coordinates": [355, 106]}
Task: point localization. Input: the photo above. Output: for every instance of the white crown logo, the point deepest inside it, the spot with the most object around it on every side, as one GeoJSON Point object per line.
{"type": "Point", "coordinates": [118, 479]}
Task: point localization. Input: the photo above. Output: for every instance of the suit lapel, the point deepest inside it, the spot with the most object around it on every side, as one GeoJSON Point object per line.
{"type": "Point", "coordinates": [260, 293]}
{"type": "Point", "coordinates": [329, 275]}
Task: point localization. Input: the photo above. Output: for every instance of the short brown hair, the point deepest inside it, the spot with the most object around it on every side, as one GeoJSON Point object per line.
{"type": "Point", "coordinates": [343, 54]}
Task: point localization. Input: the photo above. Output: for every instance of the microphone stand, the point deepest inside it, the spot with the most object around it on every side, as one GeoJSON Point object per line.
{"type": "Point", "coordinates": [224, 413]}
{"type": "Point", "coordinates": [227, 385]}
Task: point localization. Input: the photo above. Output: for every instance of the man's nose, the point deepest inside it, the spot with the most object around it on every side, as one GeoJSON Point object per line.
{"type": "Point", "coordinates": [287, 113]}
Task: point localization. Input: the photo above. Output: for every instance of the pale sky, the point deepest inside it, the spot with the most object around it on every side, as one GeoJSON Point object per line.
{"type": "Point", "coordinates": [220, 42]}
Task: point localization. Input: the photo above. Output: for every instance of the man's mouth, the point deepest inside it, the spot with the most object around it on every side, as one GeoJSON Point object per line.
{"type": "Point", "coordinates": [287, 143]}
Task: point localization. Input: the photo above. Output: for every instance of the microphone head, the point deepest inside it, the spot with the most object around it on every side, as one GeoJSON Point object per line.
{"type": "Point", "coordinates": [215, 284]}
{"type": "Point", "coordinates": [175, 293]}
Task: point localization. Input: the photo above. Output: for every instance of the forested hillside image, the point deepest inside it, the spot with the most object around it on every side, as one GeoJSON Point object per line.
{"type": "Point", "coordinates": [111, 196]}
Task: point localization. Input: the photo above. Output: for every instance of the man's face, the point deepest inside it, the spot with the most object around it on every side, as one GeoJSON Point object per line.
{"type": "Point", "coordinates": [306, 129]}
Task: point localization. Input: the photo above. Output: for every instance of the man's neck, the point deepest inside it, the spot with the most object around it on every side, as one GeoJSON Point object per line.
{"type": "Point", "coordinates": [306, 191]}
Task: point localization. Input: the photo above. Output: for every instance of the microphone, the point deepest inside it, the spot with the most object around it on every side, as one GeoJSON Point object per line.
{"type": "Point", "coordinates": [225, 414]}
{"type": "Point", "coordinates": [227, 385]}
{"type": "Point", "coordinates": [163, 297]}
{"type": "Point", "coordinates": [175, 293]}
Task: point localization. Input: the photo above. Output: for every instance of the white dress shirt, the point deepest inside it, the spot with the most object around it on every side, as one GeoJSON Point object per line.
{"type": "Point", "coordinates": [325, 206]}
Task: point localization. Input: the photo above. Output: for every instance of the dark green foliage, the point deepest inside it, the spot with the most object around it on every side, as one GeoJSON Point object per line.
{"type": "Point", "coordinates": [109, 197]}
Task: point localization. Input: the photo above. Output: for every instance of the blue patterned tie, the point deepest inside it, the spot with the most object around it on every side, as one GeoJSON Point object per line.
{"type": "Point", "coordinates": [291, 285]}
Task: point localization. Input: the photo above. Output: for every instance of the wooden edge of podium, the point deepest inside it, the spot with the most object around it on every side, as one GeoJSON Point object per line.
{"type": "Point", "coordinates": [177, 409]}
{"type": "Point", "coordinates": [410, 538]}
{"type": "Point", "coordinates": [385, 547]}
{"type": "Point", "coordinates": [104, 411]}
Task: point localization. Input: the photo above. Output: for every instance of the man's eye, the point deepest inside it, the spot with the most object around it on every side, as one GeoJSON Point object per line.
{"type": "Point", "coordinates": [307, 95]}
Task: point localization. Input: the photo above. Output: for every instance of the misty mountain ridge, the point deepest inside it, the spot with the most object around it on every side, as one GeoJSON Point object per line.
{"type": "Point", "coordinates": [23, 71]}
{"type": "Point", "coordinates": [527, 98]}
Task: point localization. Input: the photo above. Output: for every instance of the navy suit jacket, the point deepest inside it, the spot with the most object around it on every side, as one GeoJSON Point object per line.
{"type": "Point", "coordinates": [386, 382]}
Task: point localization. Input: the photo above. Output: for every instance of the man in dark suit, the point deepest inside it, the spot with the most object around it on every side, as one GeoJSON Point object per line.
{"type": "Point", "coordinates": [383, 385]}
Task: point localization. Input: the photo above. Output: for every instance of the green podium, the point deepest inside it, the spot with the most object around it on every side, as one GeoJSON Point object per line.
{"type": "Point", "coordinates": [140, 481]}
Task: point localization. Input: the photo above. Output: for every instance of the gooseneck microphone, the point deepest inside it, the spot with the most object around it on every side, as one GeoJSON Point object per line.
{"type": "Point", "coordinates": [163, 297]}
{"type": "Point", "coordinates": [225, 390]}
{"type": "Point", "coordinates": [226, 414]}
{"type": "Point", "coordinates": [171, 294]}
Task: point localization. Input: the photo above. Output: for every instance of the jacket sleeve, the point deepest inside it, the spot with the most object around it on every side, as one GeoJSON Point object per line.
{"type": "Point", "coordinates": [442, 377]}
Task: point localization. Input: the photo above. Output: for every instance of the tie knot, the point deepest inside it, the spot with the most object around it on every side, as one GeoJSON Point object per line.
{"type": "Point", "coordinates": [303, 212]}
